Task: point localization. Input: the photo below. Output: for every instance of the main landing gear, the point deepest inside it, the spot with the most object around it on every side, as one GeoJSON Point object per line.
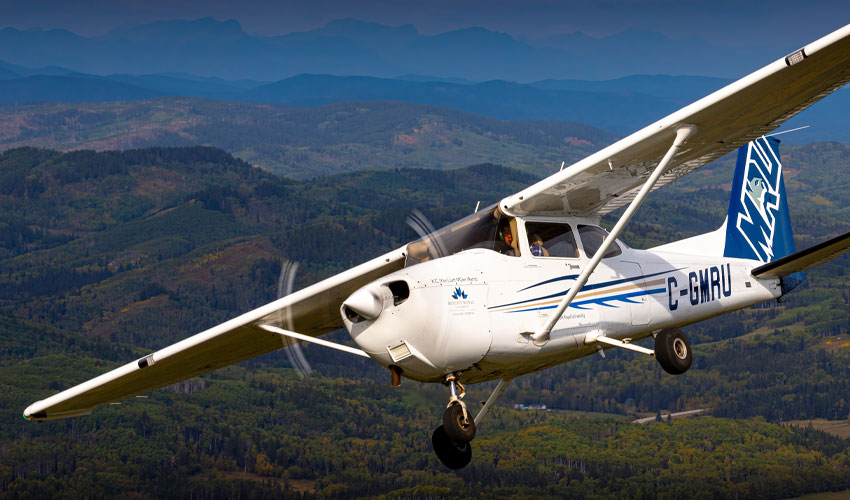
{"type": "Point", "coordinates": [451, 440]}
{"type": "Point", "coordinates": [673, 351]}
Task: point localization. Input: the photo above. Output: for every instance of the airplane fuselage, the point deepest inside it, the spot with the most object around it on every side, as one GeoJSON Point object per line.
{"type": "Point", "coordinates": [472, 313]}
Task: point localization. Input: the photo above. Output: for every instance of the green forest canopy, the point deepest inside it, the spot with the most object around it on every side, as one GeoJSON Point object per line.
{"type": "Point", "coordinates": [107, 255]}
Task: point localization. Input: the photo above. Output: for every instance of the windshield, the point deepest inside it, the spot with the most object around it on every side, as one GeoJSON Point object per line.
{"type": "Point", "coordinates": [483, 229]}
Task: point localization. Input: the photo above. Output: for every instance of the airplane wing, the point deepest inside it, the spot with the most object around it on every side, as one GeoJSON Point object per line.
{"type": "Point", "coordinates": [313, 311]}
{"type": "Point", "coordinates": [725, 120]}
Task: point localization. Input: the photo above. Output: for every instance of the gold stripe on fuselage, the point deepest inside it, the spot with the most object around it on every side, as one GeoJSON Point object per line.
{"type": "Point", "coordinates": [588, 295]}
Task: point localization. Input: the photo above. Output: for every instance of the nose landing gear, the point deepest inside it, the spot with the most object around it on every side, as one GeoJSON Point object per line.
{"type": "Point", "coordinates": [458, 423]}
{"type": "Point", "coordinates": [451, 440]}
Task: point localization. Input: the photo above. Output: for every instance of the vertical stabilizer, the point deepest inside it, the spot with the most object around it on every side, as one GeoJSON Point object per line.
{"type": "Point", "coordinates": [759, 224]}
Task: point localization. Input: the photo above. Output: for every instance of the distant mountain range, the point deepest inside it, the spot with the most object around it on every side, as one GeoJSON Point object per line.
{"type": "Point", "coordinates": [350, 47]}
{"type": "Point", "coordinates": [474, 70]}
{"type": "Point", "coordinates": [619, 106]}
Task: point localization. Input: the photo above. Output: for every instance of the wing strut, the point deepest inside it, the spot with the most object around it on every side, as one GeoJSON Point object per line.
{"type": "Point", "coordinates": [307, 338]}
{"type": "Point", "coordinates": [541, 336]}
{"type": "Point", "coordinates": [624, 344]}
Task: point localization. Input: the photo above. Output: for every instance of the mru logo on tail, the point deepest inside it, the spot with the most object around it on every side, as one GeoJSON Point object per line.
{"type": "Point", "coordinates": [758, 226]}
{"type": "Point", "coordinates": [760, 198]}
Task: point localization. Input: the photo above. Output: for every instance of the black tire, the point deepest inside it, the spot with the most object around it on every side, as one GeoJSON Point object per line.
{"type": "Point", "coordinates": [673, 351]}
{"type": "Point", "coordinates": [453, 455]}
{"type": "Point", "coordinates": [455, 427]}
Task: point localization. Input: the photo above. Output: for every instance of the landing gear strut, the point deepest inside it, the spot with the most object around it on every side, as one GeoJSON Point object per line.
{"type": "Point", "coordinates": [458, 423]}
{"type": "Point", "coordinates": [451, 440]}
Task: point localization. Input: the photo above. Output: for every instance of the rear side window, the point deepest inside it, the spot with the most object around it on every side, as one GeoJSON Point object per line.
{"type": "Point", "coordinates": [547, 239]}
{"type": "Point", "coordinates": [591, 240]}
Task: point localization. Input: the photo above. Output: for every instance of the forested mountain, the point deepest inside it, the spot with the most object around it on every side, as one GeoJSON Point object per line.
{"type": "Point", "coordinates": [106, 255]}
{"type": "Point", "coordinates": [305, 142]}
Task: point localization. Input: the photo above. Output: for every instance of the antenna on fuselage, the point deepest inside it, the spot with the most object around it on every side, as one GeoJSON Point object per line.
{"type": "Point", "coordinates": [562, 165]}
{"type": "Point", "coordinates": [476, 206]}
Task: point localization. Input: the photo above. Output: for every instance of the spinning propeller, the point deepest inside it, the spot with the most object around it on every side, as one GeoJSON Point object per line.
{"type": "Point", "coordinates": [292, 347]}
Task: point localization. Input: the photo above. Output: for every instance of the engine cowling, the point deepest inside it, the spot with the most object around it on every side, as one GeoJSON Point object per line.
{"type": "Point", "coordinates": [429, 320]}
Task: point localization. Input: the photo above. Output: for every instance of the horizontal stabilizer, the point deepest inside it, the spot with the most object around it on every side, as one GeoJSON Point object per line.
{"type": "Point", "coordinates": [805, 259]}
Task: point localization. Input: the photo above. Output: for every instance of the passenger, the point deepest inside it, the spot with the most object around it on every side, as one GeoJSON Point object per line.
{"type": "Point", "coordinates": [536, 246]}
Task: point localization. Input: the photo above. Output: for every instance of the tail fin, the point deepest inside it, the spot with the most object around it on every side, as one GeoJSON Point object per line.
{"type": "Point", "coordinates": [758, 226]}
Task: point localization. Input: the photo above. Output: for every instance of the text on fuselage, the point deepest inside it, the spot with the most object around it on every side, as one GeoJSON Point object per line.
{"type": "Point", "coordinates": [704, 285]}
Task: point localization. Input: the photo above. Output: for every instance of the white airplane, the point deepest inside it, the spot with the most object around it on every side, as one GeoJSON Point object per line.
{"type": "Point", "coordinates": [533, 281]}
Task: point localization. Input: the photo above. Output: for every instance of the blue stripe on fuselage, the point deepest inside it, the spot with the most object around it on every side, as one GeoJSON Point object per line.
{"type": "Point", "coordinates": [553, 280]}
{"type": "Point", "coordinates": [585, 288]}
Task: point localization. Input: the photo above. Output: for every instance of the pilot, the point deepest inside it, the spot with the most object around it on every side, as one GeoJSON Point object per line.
{"type": "Point", "coordinates": [504, 240]}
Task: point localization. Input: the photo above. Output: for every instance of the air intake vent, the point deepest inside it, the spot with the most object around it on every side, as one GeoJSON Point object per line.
{"type": "Point", "coordinates": [400, 291]}
{"type": "Point", "coordinates": [399, 352]}
{"type": "Point", "coordinates": [352, 315]}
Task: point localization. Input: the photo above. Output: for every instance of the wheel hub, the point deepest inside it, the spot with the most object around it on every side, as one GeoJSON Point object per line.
{"type": "Point", "coordinates": [680, 348]}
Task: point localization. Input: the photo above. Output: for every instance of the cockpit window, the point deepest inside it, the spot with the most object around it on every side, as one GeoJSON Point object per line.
{"type": "Point", "coordinates": [591, 240]}
{"type": "Point", "coordinates": [547, 239]}
{"type": "Point", "coordinates": [486, 228]}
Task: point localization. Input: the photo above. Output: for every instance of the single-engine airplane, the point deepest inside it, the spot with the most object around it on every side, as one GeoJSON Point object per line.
{"type": "Point", "coordinates": [533, 281]}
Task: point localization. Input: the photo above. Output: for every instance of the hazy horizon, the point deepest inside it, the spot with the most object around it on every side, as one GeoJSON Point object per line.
{"type": "Point", "coordinates": [777, 25]}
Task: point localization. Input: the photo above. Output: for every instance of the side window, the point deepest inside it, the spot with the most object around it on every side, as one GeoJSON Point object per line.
{"type": "Point", "coordinates": [591, 239]}
{"type": "Point", "coordinates": [546, 239]}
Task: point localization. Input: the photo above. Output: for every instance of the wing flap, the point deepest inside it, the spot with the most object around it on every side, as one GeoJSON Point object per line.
{"type": "Point", "coordinates": [805, 259]}
{"type": "Point", "coordinates": [313, 311]}
{"type": "Point", "coordinates": [726, 119]}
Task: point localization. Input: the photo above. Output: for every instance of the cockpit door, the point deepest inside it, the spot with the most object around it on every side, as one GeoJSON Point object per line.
{"type": "Point", "coordinates": [639, 306]}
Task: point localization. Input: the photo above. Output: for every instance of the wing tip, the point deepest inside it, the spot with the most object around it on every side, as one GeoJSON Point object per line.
{"type": "Point", "coordinates": [33, 413]}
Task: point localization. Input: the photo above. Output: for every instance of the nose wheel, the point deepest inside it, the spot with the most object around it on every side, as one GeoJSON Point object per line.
{"type": "Point", "coordinates": [454, 454]}
{"type": "Point", "coordinates": [458, 424]}
{"type": "Point", "coordinates": [451, 440]}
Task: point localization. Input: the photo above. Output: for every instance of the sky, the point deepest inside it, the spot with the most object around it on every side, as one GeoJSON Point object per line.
{"type": "Point", "coordinates": [776, 24]}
